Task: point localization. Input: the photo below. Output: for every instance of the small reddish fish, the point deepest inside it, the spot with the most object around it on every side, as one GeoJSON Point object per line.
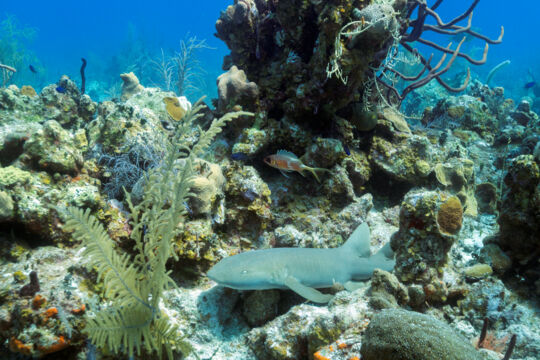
{"type": "Point", "coordinates": [286, 161]}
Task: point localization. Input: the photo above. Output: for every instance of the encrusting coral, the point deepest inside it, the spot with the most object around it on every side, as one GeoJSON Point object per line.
{"type": "Point", "coordinates": [450, 215]}
{"type": "Point", "coordinates": [176, 107]}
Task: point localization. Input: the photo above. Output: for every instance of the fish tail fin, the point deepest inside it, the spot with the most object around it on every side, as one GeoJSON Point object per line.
{"type": "Point", "coordinates": [314, 171]}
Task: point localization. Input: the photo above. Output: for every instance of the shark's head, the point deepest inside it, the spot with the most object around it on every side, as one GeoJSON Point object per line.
{"type": "Point", "coordinates": [243, 272]}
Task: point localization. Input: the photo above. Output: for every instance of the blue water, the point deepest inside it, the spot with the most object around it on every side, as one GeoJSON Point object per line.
{"type": "Point", "coordinates": [67, 30]}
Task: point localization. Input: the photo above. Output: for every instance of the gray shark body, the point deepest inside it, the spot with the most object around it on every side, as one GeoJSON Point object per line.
{"type": "Point", "coordinates": [303, 270]}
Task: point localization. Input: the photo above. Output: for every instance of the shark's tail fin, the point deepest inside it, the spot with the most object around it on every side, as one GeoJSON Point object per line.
{"type": "Point", "coordinates": [385, 258]}
{"type": "Point", "coordinates": [314, 171]}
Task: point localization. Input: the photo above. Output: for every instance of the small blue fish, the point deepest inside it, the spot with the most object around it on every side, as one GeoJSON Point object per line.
{"type": "Point", "coordinates": [347, 150]}
{"type": "Point", "coordinates": [239, 156]}
{"type": "Point", "coordinates": [32, 69]}
{"type": "Point", "coordinates": [250, 195]}
{"type": "Point", "coordinates": [530, 84]}
{"type": "Point", "coordinates": [61, 89]}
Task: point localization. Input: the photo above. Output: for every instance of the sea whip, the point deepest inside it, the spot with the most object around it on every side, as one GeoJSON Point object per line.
{"type": "Point", "coordinates": [83, 78]}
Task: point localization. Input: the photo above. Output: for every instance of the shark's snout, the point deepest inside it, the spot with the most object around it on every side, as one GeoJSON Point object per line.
{"type": "Point", "coordinates": [219, 273]}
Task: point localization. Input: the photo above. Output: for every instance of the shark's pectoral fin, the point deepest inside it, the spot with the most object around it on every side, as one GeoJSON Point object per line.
{"type": "Point", "coordinates": [307, 292]}
{"type": "Point", "coordinates": [353, 285]}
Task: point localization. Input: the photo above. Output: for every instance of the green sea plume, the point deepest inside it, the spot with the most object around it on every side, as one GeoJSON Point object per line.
{"type": "Point", "coordinates": [134, 285]}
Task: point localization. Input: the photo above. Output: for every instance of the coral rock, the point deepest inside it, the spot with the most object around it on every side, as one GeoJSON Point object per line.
{"type": "Point", "coordinates": [420, 244]}
{"type": "Point", "coordinates": [207, 189]}
{"type": "Point", "coordinates": [251, 197]}
{"type": "Point", "coordinates": [519, 219]}
{"type": "Point", "coordinates": [406, 335]}
{"type": "Point", "coordinates": [523, 114]}
{"type": "Point", "coordinates": [53, 149]}
{"type": "Point", "coordinates": [466, 112]}
{"type": "Point", "coordinates": [395, 119]}
{"type": "Point", "coordinates": [387, 291]}
{"type": "Point", "coordinates": [406, 160]}
{"type": "Point", "coordinates": [261, 306]}
{"type": "Point", "coordinates": [130, 86]}
{"type": "Point", "coordinates": [338, 186]}
{"type": "Point", "coordinates": [486, 197]}
{"type": "Point", "coordinates": [198, 241]}
{"type": "Point", "coordinates": [324, 153]}
{"type": "Point", "coordinates": [457, 176]}
{"type": "Point", "coordinates": [357, 165]}
{"type": "Point", "coordinates": [7, 209]}
{"type": "Point", "coordinates": [500, 262]}
{"type": "Point", "coordinates": [234, 89]}
{"type": "Point", "coordinates": [478, 271]}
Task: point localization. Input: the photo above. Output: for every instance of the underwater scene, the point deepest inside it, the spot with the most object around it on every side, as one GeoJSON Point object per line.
{"type": "Point", "coordinates": [270, 179]}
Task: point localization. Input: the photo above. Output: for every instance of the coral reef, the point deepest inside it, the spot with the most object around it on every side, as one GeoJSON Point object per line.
{"type": "Point", "coordinates": [442, 263]}
{"type": "Point", "coordinates": [46, 319]}
{"type": "Point", "coordinates": [207, 189]}
{"type": "Point", "coordinates": [457, 176]}
{"type": "Point", "coordinates": [467, 113]}
{"type": "Point", "coordinates": [70, 108]}
{"type": "Point", "coordinates": [453, 188]}
{"type": "Point", "coordinates": [265, 36]}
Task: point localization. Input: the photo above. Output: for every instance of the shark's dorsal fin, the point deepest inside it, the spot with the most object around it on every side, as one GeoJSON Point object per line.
{"type": "Point", "coordinates": [359, 241]}
{"type": "Point", "coordinates": [306, 292]}
{"type": "Point", "coordinates": [287, 153]}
